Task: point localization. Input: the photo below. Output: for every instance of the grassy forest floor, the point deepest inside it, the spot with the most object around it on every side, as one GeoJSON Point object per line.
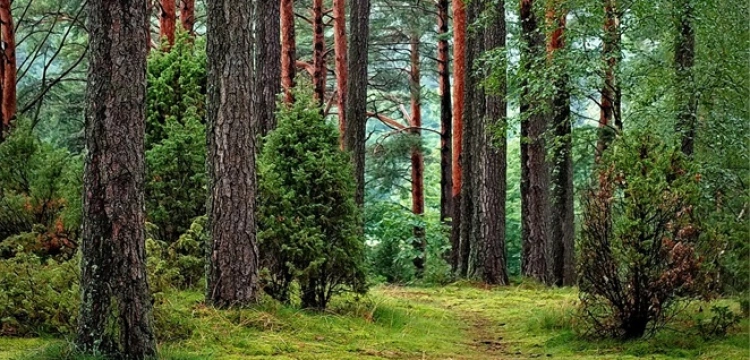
{"type": "Point", "coordinates": [452, 322]}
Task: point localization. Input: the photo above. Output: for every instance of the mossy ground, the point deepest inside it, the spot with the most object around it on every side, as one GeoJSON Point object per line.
{"type": "Point", "coordinates": [460, 321]}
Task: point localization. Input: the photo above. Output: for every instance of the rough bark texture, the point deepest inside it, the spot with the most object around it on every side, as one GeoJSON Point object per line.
{"type": "Point", "coordinates": [444, 90]}
{"type": "Point", "coordinates": [167, 21]}
{"type": "Point", "coordinates": [267, 64]}
{"type": "Point", "coordinates": [356, 102]}
{"type": "Point", "coordinates": [232, 276]}
{"type": "Point", "coordinates": [288, 49]}
{"type": "Point", "coordinates": [115, 314]}
{"type": "Point", "coordinates": [684, 58]}
{"type": "Point", "coordinates": [535, 209]}
{"type": "Point", "coordinates": [187, 15]}
{"type": "Point", "coordinates": [492, 191]}
{"type": "Point", "coordinates": [459, 78]}
{"type": "Point", "coordinates": [417, 158]}
{"type": "Point", "coordinates": [342, 76]}
{"type": "Point", "coordinates": [319, 52]}
{"type": "Point", "coordinates": [609, 115]}
{"type": "Point", "coordinates": [8, 34]}
{"type": "Point", "coordinates": [561, 262]}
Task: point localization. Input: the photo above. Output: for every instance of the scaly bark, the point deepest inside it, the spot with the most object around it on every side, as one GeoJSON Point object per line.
{"type": "Point", "coordinates": [417, 158]}
{"type": "Point", "coordinates": [319, 51]}
{"type": "Point", "coordinates": [167, 22]}
{"type": "Point", "coordinates": [288, 49]}
{"type": "Point", "coordinates": [114, 286]}
{"type": "Point", "coordinates": [187, 16]}
{"type": "Point", "coordinates": [9, 70]}
{"type": "Point", "coordinates": [356, 102]}
{"type": "Point", "coordinates": [232, 276]}
{"type": "Point", "coordinates": [684, 59]}
{"type": "Point", "coordinates": [459, 78]}
{"type": "Point", "coordinates": [268, 64]}
{"type": "Point", "coordinates": [561, 262]}
{"type": "Point", "coordinates": [340, 50]}
{"type": "Point", "coordinates": [610, 121]}
{"type": "Point", "coordinates": [535, 209]}
{"type": "Point", "coordinates": [444, 90]}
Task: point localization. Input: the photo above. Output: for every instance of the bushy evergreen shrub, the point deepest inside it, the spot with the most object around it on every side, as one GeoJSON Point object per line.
{"type": "Point", "coordinates": [639, 242]}
{"type": "Point", "coordinates": [308, 221]}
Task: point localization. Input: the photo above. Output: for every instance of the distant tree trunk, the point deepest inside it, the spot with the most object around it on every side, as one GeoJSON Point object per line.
{"type": "Point", "coordinates": [319, 52]}
{"type": "Point", "coordinates": [535, 209]}
{"type": "Point", "coordinates": [684, 58]}
{"type": "Point", "coordinates": [288, 49]}
{"type": "Point", "coordinates": [268, 64]}
{"type": "Point", "coordinates": [492, 190]}
{"type": "Point", "coordinates": [459, 76]}
{"type": "Point", "coordinates": [340, 48]}
{"type": "Point", "coordinates": [562, 232]}
{"type": "Point", "coordinates": [610, 120]}
{"type": "Point", "coordinates": [114, 287]}
{"type": "Point", "coordinates": [232, 278]}
{"type": "Point", "coordinates": [8, 34]}
{"type": "Point", "coordinates": [187, 15]}
{"type": "Point", "coordinates": [444, 89]}
{"type": "Point", "coordinates": [356, 102]}
{"type": "Point", "coordinates": [417, 158]}
{"type": "Point", "coordinates": [473, 153]}
{"type": "Point", "coordinates": [167, 21]}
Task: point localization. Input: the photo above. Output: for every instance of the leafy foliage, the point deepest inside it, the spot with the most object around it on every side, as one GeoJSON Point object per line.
{"type": "Point", "coordinates": [307, 217]}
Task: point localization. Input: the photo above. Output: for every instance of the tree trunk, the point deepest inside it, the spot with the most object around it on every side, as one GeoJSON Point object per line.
{"type": "Point", "coordinates": [535, 209]}
{"type": "Point", "coordinates": [167, 22]}
{"type": "Point", "coordinates": [417, 158]}
{"type": "Point", "coordinates": [187, 15]}
{"type": "Point", "coordinates": [684, 58]}
{"type": "Point", "coordinates": [9, 62]}
{"type": "Point", "coordinates": [459, 78]}
{"type": "Point", "coordinates": [444, 90]}
{"type": "Point", "coordinates": [288, 49]}
{"type": "Point", "coordinates": [113, 279]}
{"type": "Point", "coordinates": [268, 64]}
{"type": "Point", "coordinates": [610, 121]}
{"type": "Point", "coordinates": [232, 278]}
{"type": "Point", "coordinates": [492, 191]}
{"type": "Point", "coordinates": [319, 51]}
{"type": "Point", "coordinates": [340, 48]}
{"type": "Point", "coordinates": [562, 232]}
{"type": "Point", "coordinates": [356, 102]}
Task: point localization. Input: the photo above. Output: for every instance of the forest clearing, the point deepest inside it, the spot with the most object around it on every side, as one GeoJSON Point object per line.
{"type": "Point", "coordinates": [460, 321]}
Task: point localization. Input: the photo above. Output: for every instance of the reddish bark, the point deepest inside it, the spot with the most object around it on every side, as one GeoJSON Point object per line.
{"type": "Point", "coordinates": [187, 15]}
{"type": "Point", "coordinates": [319, 49]}
{"type": "Point", "coordinates": [8, 63]}
{"type": "Point", "coordinates": [459, 75]}
{"type": "Point", "coordinates": [340, 48]}
{"type": "Point", "coordinates": [417, 158]}
{"type": "Point", "coordinates": [288, 49]}
{"type": "Point", "coordinates": [609, 117]}
{"type": "Point", "coordinates": [444, 89]}
{"type": "Point", "coordinates": [167, 21]}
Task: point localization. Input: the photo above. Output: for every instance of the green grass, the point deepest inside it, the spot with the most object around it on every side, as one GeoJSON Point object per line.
{"type": "Point", "coordinates": [454, 322]}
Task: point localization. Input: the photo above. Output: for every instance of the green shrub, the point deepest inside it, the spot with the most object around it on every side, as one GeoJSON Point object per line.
{"type": "Point", "coordinates": [308, 221]}
{"type": "Point", "coordinates": [180, 264]}
{"type": "Point", "coordinates": [722, 319]}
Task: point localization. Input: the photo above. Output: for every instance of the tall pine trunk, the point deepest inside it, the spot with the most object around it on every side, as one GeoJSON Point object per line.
{"type": "Point", "coordinates": [610, 120]}
{"type": "Point", "coordinates": [232, 278]}
{"type": "Point", "coordinates": [267, 64]}
{"type": "Point", "coordinates": [444, 90]}
{"type": "Point", "coordinates": [9, 70]}
{"type": "Point", "coordinates": [356, 101]}
{"type": "Point", "coordinates": [459, 78]}
{"type": "Point", "coordinates": [535, 184]}
{"type": "Point", "coordinates": [167, 21]}
{"type": "Point", "coordinates": [684, 59]}
{"type": "Point", "coordinates": [319, 52]}
{"type": "Point", "coordinates": [340, 50]}
{"type": "Point", "coordinates": [561, 261]}
{"type": "Point", "coordinates": [113, 277]}
{"type": "Point", "coordinates": [187, 16]}
{"type": "Point", "coordinates": [288, 49]}
{"type": "Point", "coordinates": [417, 158]}
{"type": "Point", "coordinates": [492, 191]}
